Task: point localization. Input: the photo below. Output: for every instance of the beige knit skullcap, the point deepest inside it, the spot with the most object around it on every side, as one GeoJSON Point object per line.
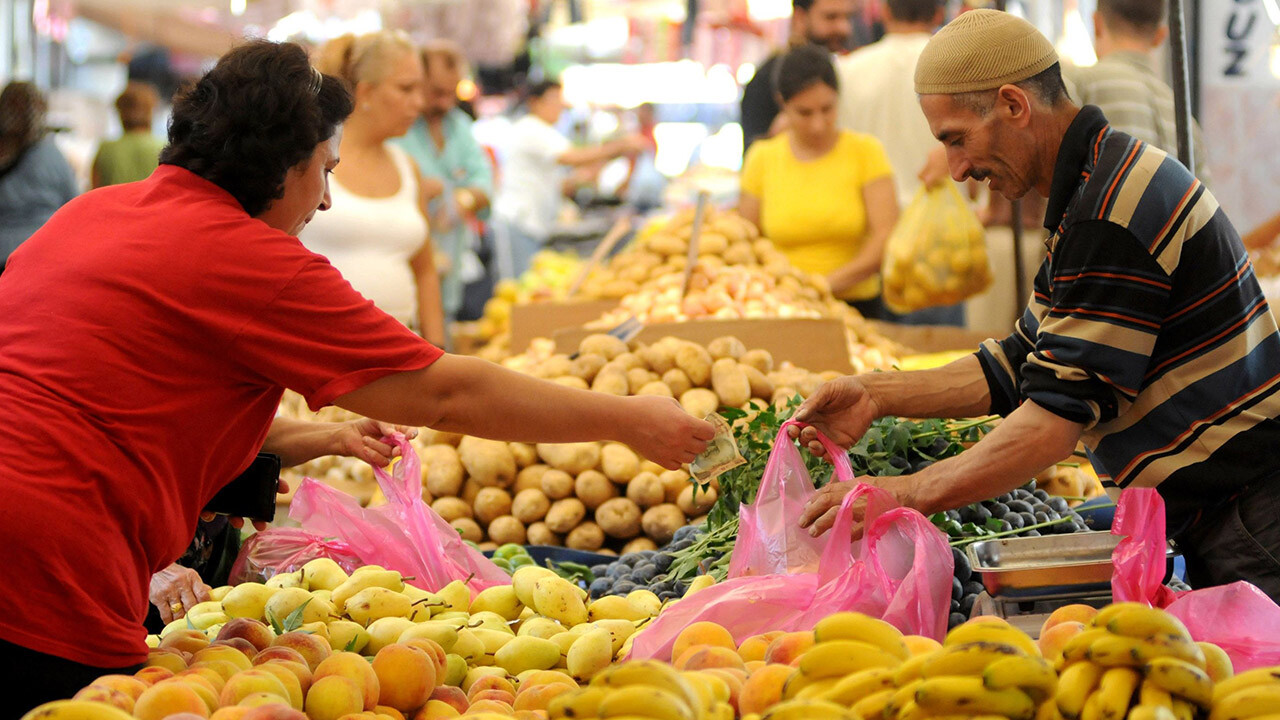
{"type": "Point", "coordinates": [982, 50]}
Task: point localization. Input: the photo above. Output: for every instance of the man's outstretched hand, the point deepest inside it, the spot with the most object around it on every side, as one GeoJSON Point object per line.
{"type": "Point", "coordinates": [841, 409]}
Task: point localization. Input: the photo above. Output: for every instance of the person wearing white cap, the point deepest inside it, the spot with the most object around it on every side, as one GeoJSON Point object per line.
{"type": "Point", "coordinates": [1147, 335]}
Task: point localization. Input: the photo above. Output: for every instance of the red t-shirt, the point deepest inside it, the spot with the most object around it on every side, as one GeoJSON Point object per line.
{"type": "Point", "coordinates": [146, 334]}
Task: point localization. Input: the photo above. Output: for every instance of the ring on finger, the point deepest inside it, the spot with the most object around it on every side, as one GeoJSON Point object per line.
{"type": "Point", "coordinates": [175, 606]}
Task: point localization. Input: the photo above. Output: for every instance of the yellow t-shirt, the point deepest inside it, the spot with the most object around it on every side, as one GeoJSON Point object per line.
{"type": "Point", "coordinates": [813, 210]}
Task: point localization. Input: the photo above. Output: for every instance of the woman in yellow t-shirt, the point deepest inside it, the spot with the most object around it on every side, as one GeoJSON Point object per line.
{"type": "Point", "coordinates": [823, 195]}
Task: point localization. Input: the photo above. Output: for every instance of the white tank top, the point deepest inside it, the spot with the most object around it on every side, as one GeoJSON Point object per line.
{"type": "Point", "coordinates": [370, 240]}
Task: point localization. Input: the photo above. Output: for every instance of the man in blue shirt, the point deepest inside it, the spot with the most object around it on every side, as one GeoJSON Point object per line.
{"type": "Point", "coordinates": [442, 144]}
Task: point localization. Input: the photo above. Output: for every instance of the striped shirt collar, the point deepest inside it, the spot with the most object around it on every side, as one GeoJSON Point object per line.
{"type": "Point", "coordinates": [1072, 154]}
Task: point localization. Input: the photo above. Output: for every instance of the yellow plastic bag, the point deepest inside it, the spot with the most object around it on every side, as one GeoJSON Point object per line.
{"type": "Point", "coordinates": [937, 253]}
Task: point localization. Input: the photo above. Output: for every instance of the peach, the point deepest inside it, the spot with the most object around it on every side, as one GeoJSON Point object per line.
{"type": "Point", "coordinates": [263, 699]}
{"type": "Point", "coordinates": [709, 656]}
{"type": "Point", "coordinates": [248, 682]}
{"type": "Point", "coordinates": [225, 653]}
{"type": "Point", "coordinates": [166, 658]}
{"type": "Point", "coordinates": [433, 650]}
{"type": "Point", "coordinates": [530, 715]}
{"type": "Point", "coordinates": [256, 632]}
{"type": "Point", "coordinates": [354, 668]}
{"type": "Point", "coordinates": [313, 648]}
{"type": "Point", "coordinates": [387, 711]}
{"type": "Point", "coordinates": [919, 644]}
{"type": "Point", "coordinates": [490, 682]}
{"type": "Point", "coordinates": [333, 696]}
{"type": "Point", "coordinates": [546, 677]}
{"type": "Point", "coordinates": [754, 665]}
{"type": "Point", "coordinates": [169, 698]}
{"type": "Point", "coordinates": [490, 706]}
{"type": "Point", "coordinates": [234, 712]}
{"type": "Point", "coordinates": [753, 647]}
{"type": "Point", "coordinates": [221, 667]}
{"type": "Point", "coordinates": [290, 681]}
{"type": "Point", "coordinates": [187, 640]}
{"type": "Point", "coordinates": [1083, 614]}
{"type": "Point", "coordinates": [210, 675]}
{"type": "Point", "coordinates": [452, 696]}
{"type": "Point", "coordinates": [153, 675]}
{"type": "Point", "coordinates": [501, 696]}
{"type": "Point", "coordinates": [787, 648]}
{"type": "Point", "coordinates": [702, 633]}
{"type": "Point", "coordinates": [203, 688]}
{"type": "Point", "coordinates": [239, 643]}
{"type": "Point", "coordinates": [299, 670]}
{"type": "Point", "coordinates": [406, 676]}
{"type": "Point", "coordinates": [436, 710]}
{"type": "Point", "coordinates": [1055, 638]}
{"type": "Point", "coordinates": [109, 696]}
{"type": "Point", "coordinates": [763, 689]}
{"type": "Point", "coordinates": [273, 712]}
{"type": "Point", "coordinates": [126, 684]}
{"type": "Point", "coordinates": [278, 652]}
{"type": "Point", "coordinates": [734, 679]}
{"type": "Point", "coordinates": [185, 716]}
{"type": "Point", "coordinates": [537, 697]}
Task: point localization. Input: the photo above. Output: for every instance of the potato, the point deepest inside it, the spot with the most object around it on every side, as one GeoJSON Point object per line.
{"type": "Point", "coordinates": [657, 387]}
{"type": "Point", "coordinates": [530, 477]}
{"type": "Point", "coordinates": [761, 360]}
{"type": "Point", "coordinates": [783, 394]}
{"type": "Point", "coordinates": [658, 358]}
{"type": "Point", "coordinates": [661, 522]}
{"type": "Point", "coordinates": [574, 382]}
{"type": "Point", "coordinates": [488, 462]}
{"type": "Point", "coordinates": [442, 471]}
{"type": "Point", "coordinates": [638, 378]}
{"type": "Point", "coordinates": [593, 489]}
{"type": "Point", "coordinates": [700, 402]}
{"type": "Point", "coordinates": [487, 546]}
{"type": "Point", "coordinates": [695, 361]}
{"type": "Point", "coordinates": [539, 534]}
{"type": "Point", "coordinates": [564, 515]}
{"type": "Point", "coordinates": [470, 489]}
{"type": "Point", "coordinates": [650, 466]}
{"type": "Point", "coordinates": [740, 254]}
{"type": "Point", "coordinates": [677, 381]}
{"type": "Point", "coordinates": [726, 347]}
{"type": "Point", "coordinates": [572, 458]}
{"type": "Point", "coordinates": [491, 502]}
{"type": "Point", "coordinates": [673, 482]}
{"type": "Point", "coordinates": [809, 385]}
{"type": "Point", "coordinates": [557, 484]}
{"type": "Point", "coordinates": [437, 437]}
{"type": "Point", "coordinates": [619, 518]}
{"type": "Point", "coordinates": [638, 545]}
{"type": "Point", "coordinates": [607, 346]}
{"type": "Point", "coordinates": [587, 365]}
{"type": "Point", "coordinates": [507, 529]}
{"type": "Point", "coordinates": [645, 490]}
{"type": "Point", "coordinates": [552, 367]}
{"type": "Point", "coordinates": [587, 536]}
{"type": "Point", "coordinates": [468, 529]}
{"type": "Point", "coordinates": [665, 243]}
{"type": "Point", "coordinates": [829, 375]}
{"type": "Point", "coordinates": [611, 379]}
{"type": "Point", "coordinates": [524, 453]}
{"type": "Point", "coordinates": [628, 361]}
{"type": "Point", "coordinates": [760, 385]}
{"type": "Point", "coordinates": [530, 505]}
{"type": "Point", "coordinates": [730, 383]}
{"type": "Point", "coordinates": [691, 505]}
{"type": "Point", "coordinates": [619, 462]}
{"type": "Point", "coordinates": [452, 508]}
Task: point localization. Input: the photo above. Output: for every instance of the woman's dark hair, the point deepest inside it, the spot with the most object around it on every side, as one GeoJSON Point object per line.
{"type": "Point", "coordinates": [802, 68]}
{"type": "Point", "coordinates": [541, 88]}
{"type": "Point", "coordinates": [259, 112]}
{"type": "Point", "coordinates": [22, 120]}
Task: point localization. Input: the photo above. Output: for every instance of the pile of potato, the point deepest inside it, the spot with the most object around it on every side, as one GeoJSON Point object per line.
{"type": "Point", "coordinates": [587, 496]}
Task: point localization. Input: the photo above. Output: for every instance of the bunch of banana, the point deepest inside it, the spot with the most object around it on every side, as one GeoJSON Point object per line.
{"type": "Point", "coordinates": [1251, 694]}
{"type": "Point", "coordinates": [854, 656]}
{"type": "Point", "coordinates": [985, 668]}
{"type": "Point", "coordinates": [646, 689]}
{"type": "Point", "coordinates": [1137, 662]}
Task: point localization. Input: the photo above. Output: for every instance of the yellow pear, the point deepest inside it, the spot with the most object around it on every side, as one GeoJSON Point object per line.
{"type": "Point", "coordinates": [285, 601]}
{"type": "Point", "coordinates": [500, 599]}
{"type": "Point", "coordinates": [489, 621]}
{"type": "Point", "coordinates": [247, 600]}
{"type": "Point", "coordinates": [219, 592]}
{"type": "Point", "coordinates": [358, 581]}
{"type": "Point", "coordinates": [523, 580]}
{"type": "Point", "coordinates": [323, 574]}
{"type": "Point", "coordinates": [619, 631]}
{"type": "Point", "coordinates": [468, 646]}
{"type": "Point", "coordinates": [541, 627]}
{"type": "Point", "coordinates": [373, 603]}
{"type": "Point", "coordinates": [558, 599]}
{"type": "Point", "coordinates": [615, 607]}
{"type": "Point", "coordinates": [527, 653]}
{"type": "Point", "coordinates": [590, 654]}
{"type": "Point", "coordinates": [446, 636]}
{"type": "Point", "coordinates": [286, 580]}
{"type": "Point", "coordinates": [455, 670]}
{"type": "Point", "coordinates": [347, 636]}
{"type": "Point", "coordinates": [456, 597]}
{"type": "Point", "coordinates": [385, 631]}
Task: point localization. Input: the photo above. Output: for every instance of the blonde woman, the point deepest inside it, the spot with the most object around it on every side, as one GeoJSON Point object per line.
{"type": "Point", "coordinates": [376, 233]}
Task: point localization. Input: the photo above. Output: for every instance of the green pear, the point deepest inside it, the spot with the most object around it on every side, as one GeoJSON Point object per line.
{"type": "Point", "coordinates": [455, 670]}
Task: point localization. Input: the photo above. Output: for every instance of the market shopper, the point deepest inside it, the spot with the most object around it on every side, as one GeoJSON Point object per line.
{"type": "Point", "coordinates": [536, 157]}
{"type": "Point", "coordinates": [377, 236]}
{"type": "Point", "coordinates": [441, 143]}
{"type": "Point", "coordinates": [825, 196]}
{"type": "Point", "coordinates": [35, 179]}
{"type": "Point", "coordinates": [1147, 336]}
{"type": "Point", "coordinates": [823, 23]}
{"type": "Point", "coordinates": [136, 153]}
{"type": "Point", "coordinates": [184, 305]}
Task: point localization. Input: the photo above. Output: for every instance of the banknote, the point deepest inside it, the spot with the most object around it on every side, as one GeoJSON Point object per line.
{"type": "Point", "coordinates": [721, 454]}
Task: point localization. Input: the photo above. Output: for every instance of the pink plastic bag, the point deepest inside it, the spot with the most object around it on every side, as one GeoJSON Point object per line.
{"type": "Point", "coordinates": [1238, 617]}
{"type": "Point", "coordinates": [283, 550]}
{"type": "Point", "coordinates": [404, 535]}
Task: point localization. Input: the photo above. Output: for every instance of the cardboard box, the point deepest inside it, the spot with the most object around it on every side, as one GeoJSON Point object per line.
{"type": "Point", "coordinates": [930, 338]}
{"type": "Point", "coordinates": [811, 343]}
{"type": "Point", "coordinates": [543, 319]}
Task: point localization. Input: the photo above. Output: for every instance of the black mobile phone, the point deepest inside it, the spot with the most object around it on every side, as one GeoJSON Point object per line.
{"type": "Point", "coordinates": [253, 493]}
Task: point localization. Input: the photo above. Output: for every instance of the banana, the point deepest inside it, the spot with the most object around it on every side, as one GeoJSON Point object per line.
{"type": "Point", "coordinates": [581, 703]}
{"type": "Point", "coordinates": [912, 711]}
{"type": "Point", "coordinates": [1151, 712]}
{"type": "Point", "coordinates": [1247, 703]}
{"type": "Point", "coordinates": [721, 711]}
{"type": "Point", "coordinates": [711, 688]}
{"type": "Point", "coordinates": [1183, 709]}
{"type": "Point", "coordinates": [1092, 708]}
{"type": "Point", "coordinates": [968, 695]}
{"type": "Point", "coordinates": [851, 689]}
{"type": "Point", "coordinates": [645, 701]}
{"type": "Point", "coordinates": [652, 673]}
{"type": "Point", "coordinates": [875, 705]}
{"type": "Point", "coordinates": [911, 669]}
{"type": "Point", "coordinates": [837, 658]}
{"type": "Point", "coordinates": [1105, 614]}
{"type": "Point", "coordinates": [1249, 678]}
{"type": "Point", "coordinates": [1075, 684]}
{"type": "Point", "coordinates": [1115, 691]}
{"type": "Point", "coordinates": [1034, 676]}
{"type": "Point", "coordinates": [899, 698]}
{"type": "Point", "coordinates": [1182, 679]}
{"type": "Point", "coordinates": [1077, 647]}
{"type": "Point", "coordinates": [807, 710]}
{"type": "Point", "coordinates": [968, 659]}
{"type": "Point", "coordinates": [1117, 650]}
{"type": "Point", "coordinates": [1049, 711]}
{"type": "Point", "coordinates": [856, 626]}
{"type": "Point", "coordinates": [1152, 694]}
{"type": "Point", "coordinates": [796, 684]}
{"type": "Point", "coordinates": [1145, 622]}
{"type": "Point", "coordinates": [991, 632]}
{"type": "Point", "coordinates": [818, 689]}
{"type": "Point", "coordinates": [76, 710]}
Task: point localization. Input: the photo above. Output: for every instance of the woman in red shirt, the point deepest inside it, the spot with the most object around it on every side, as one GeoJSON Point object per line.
{"type": "Point", "coordinates": [147, 332]}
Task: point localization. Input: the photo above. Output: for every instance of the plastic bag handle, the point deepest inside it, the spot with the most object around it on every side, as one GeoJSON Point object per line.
{"type": "Point", "coordinates": [835, 454]}
{"type": "Point", "coordinates": [843, 525]}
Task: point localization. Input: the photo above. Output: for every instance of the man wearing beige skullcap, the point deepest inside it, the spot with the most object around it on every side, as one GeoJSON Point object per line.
{"type": "Point", "coordinates": [1147, 336]}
